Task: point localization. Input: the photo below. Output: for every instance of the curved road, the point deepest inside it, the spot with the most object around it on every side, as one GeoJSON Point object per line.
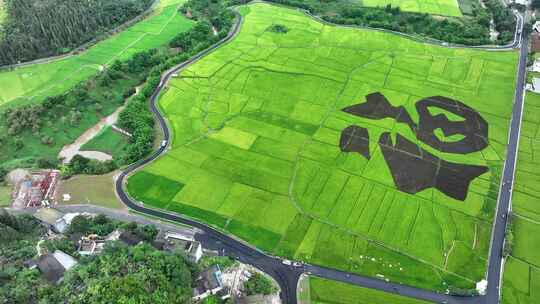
{"type": "Point", "coordinates": [287, 276]}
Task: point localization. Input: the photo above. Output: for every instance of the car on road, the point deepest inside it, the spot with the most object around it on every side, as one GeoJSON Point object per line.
{"type": "Point", "coordinates": [286, 262]}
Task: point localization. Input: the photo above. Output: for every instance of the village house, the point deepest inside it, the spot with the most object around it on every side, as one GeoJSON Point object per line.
{"type": "Point", "coordinates": [55, 220]}
{"type": "Point", "coordinates": [53, 266]}
{"type": "Point", "coordinates": [192, 248]}
{"type": "Point", "coordinates": [94, 244]}
{"type": "Point", "coordinates": [208, 283]}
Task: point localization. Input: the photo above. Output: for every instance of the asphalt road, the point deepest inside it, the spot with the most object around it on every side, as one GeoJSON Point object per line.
{"type": "Point", "coordinates": [287, 276]}
{"type": "Point", "coordinates": [494, 271]}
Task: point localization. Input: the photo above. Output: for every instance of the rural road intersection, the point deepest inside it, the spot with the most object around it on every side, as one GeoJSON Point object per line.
{"type": "Point", "coordinates": [287, 275]}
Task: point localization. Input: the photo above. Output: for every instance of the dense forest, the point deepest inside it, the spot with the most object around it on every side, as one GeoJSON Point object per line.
{"type": "Point", "coordinates": [40, 28]}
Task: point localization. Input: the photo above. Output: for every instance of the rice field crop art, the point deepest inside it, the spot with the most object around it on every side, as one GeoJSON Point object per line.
{"type": "Point", "coordinates": [352, 149]}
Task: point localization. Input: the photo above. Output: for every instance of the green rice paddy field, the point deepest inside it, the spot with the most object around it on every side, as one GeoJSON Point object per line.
{"type": "Point", "coordinates": [323, 291]}
{"type": "Point", "coordinates": [35, 82]}
{"type": "Point", "coordinates": [436, 7]}
{"type": "Point", "coordinates": [522, 269]}
{"type": "Point", "coordinates": [255, 148]}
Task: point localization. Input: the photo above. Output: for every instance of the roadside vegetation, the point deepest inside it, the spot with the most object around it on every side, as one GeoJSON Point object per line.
{"type": "Point", "coordinates": [259, 284]}
{"type": "Point", "coordinates": [258, 121]}
{"type": "Point", "coordinates": [35, 29]}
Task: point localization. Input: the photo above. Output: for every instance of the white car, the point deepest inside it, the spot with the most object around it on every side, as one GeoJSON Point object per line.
{"type": "Point", "coordinates": [287, 262]}
{"type": "Point", "coordinates": [164, 143]}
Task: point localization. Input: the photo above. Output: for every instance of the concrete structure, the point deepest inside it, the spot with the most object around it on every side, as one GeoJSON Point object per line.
{"type": "Point", "coordinates": [536, 66]}
{"type": "Point", "coordinates": [536, 26]}
{"type": "Point", "coordinates": [51, 219]}
{"type": "Point", "coordinates": [534, 86]}
{"type": "Point", "coordinates": [185, 242]}
{"type": "Point", "coordinates": [35, 189]}
{"type": "Point", "coordinates": [208, 283]}
{"type": "Point", "coordinates": [53, 266]}
{"type": "Point", "coordinates": [93, 244]}
{"type": "Point", "coordinates": [56, 220]}
{"type": "Point", "coordinates": [522, 2]}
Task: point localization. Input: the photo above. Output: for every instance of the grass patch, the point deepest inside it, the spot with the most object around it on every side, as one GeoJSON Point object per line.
{"type": "Point", "coordinates": [5, 196]}
{"type": "Point", "coordinates": [324, 291]}
{"type": "Point", "coordinates": [90, 189]}
{"type": "Point", "coordinates": [107, 141]}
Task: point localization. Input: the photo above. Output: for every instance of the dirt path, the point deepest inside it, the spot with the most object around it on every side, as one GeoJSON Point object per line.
{"type": "Point", "coordinates": [69, 151]}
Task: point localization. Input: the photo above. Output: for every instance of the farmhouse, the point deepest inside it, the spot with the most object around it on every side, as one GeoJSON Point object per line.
{"type": "Point", "coordinates": [56, 220]}
{"type": "Point", "coordinates": [208, 283]}
{"type": "Point", "coordinates": [51, 219]}
{"type": "Point", "coordinates": [53, 266]}
{"type": "Point", "coordinates": [184, 242]}
{"type": "Point", "coordinates": [93, 244]}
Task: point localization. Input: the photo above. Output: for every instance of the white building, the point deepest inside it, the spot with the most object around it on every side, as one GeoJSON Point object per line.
{"type": "Point", "coordinates": [536, 66]}
{"type": "Point", "coordinates": [187, 242]}
{"type": "Point", "coordinates": [534, 86]}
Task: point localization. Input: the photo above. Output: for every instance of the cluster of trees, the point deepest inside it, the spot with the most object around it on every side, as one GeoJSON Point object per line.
{"type": "Point", "coordinates": [121, 274]}
{"type": "Point", "coordinates": [278, 28]}
{"type": "Point", "coordinates": [211, 11]}
{"type": "Point", "coordinates": [473, 30]}
{"type": "Point", "coordinates": [102, 225]}
{"type": "Point", "coordinates": [503, 18]}
{"type": "Point", "coordinates": [509, 236]}
{"type": "Point", "coordinates": [259, 284]}
{"type": "Point", "coordinates": [18, 238]}
{"type": "Point", "coordinates": [36, 28]}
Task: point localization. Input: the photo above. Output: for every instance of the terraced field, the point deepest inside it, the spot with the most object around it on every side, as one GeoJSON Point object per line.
{"type": "Point", "coordinates": [352, 149]}
{"type": "Point", "coordinates": [35, 82]}
{"type": "Point", "coordinates": [522, 269]}
{"type": "Point", "coordinates": [436, 7]}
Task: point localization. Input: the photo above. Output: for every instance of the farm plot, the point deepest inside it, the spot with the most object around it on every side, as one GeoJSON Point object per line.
{"type": "Point", "coordinates": [35, 82]}
{"type": "Point", "coordinates": [293, 140]}
{"type": "Point", "coordinates": [322, 291]}
{"type": "Point", "coordinates": [436, 7]}
{"type": "Point", "coordinates": [522, 270]}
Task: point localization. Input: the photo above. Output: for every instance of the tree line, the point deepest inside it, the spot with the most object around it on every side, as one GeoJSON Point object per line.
{"type": "Point", "coordinates": [40, 28]}
{"type": "Point", "coordinates": [470, 30]}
